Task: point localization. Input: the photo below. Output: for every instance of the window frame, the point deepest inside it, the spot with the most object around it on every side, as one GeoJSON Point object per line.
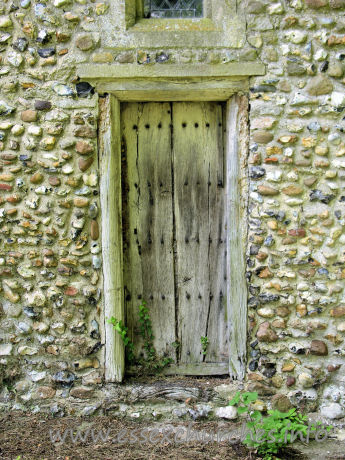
{"type": "Point", "coordinates": [134, 12]}
{"type": "Point", "coordinates": [222, 26]}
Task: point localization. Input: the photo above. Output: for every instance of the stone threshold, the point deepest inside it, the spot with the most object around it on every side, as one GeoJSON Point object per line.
{"type": "Point", "coordinates": [177, 399]}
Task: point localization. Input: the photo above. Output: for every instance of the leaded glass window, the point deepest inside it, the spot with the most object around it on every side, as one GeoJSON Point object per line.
{"type": "Point", "coordinates": [173, 8]}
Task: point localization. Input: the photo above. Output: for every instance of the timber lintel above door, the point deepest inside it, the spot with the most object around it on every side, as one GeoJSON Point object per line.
{"type": "Point", "coordinates": [171, 82]}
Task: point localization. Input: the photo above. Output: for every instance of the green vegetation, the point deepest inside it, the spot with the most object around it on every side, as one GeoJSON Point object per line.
{"type": "Point", "coordinates": [146, 332]}
{"type": "Point", "coordinates": [151, 362]}
{"type": "Point", "coordinates": [123, 331]}
{"type": "Point", "coordinates": [270, 434]}
{"type": "Point", "coordinates": [204, 344]}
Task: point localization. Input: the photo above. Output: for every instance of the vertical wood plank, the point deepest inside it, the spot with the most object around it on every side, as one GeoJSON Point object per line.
{"type": "Point", "coordinates": [217, 325]}
{"type": "Point", "coordinates": [110, 196]}
{"type": "Point", "coordinates": [237, 148]}
{"type": "Point", "coordinates": [149, 273]}
{"type": "Point", "coordinates": [200, 275]}
{"type": "Point", "coordinates": [132, 274]}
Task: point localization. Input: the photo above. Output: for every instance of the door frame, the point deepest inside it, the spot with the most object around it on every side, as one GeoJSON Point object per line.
{"type": "Point", "coordinates": [186, 88]}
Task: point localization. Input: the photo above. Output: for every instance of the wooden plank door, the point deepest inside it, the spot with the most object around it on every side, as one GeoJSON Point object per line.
{"type": "Point", "coordinates": [174, 229]}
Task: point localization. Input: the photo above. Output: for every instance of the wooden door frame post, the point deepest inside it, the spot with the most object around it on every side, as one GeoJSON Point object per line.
{"type": "Point", "coordinates": [183, 84]}
{"type": "Point", "coordinates": [112, 251]}
{"type": "Point", "coordinates": [237, 211]}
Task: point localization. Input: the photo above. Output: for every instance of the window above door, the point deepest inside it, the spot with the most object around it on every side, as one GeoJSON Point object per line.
{"type": "Point", "coordinates": [173, 8]}
{"type": "Point", "coordinates": [133, 24]}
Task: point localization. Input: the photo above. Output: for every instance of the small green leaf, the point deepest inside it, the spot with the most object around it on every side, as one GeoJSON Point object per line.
{"type": "Point", "coordinates": [249, 397]}
{"type": "Point", "coordinates": [256, 415]}
{"type": "Point", "coordinates": [242, 409]}
{"type": "Point", "coordinates": [236, 399]}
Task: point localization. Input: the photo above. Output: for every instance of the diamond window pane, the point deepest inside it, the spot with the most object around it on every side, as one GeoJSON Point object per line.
{"type": "Point", "coordinates": [173, 8]}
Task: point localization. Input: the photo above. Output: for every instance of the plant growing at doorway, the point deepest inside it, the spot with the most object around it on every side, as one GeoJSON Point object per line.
{"type": "Point", "coordinates": [204, 344]}
{"type": "Point", "coordinates": [123, 332]}
{"type": "Point", "coordinates": [151, 360]}
{"type": "Point", "coordinates": [146, 331]}
{"type": "Point", "coordinates": [176, 344]}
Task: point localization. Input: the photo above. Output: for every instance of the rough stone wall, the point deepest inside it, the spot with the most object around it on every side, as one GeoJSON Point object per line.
{"type": "Point", "coordinates": [51, 301]}
{"type": "Point", "coordinates": [296, 243]}
{"type": "Point", "coordinates": [50, 250]}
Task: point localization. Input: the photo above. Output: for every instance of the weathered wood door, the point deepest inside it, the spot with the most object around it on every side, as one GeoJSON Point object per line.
{"type": "Point", "coordinates": [174, 230]}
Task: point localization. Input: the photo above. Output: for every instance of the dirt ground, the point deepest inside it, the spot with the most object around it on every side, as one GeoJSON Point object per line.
{"type": "Point", "coordinates": [29, 437]}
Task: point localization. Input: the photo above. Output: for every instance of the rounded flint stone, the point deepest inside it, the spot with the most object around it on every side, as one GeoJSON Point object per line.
{"type": "Point", "coordinates": [84, 89]}
{"type": "Point", "coordinates": [20, 44]}
{"type": "Point", "coordinates": [46, 52]}
{"type": "Point", "coordinates": [43, 105]}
